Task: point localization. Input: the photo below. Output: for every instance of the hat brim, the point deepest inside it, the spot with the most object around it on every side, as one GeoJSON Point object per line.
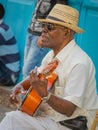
{"type": "Point", "coordinates": [72, 27]}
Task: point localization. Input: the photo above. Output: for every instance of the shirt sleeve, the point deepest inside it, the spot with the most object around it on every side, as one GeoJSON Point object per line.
{"type": "Point", "coordinates": [76, 85]}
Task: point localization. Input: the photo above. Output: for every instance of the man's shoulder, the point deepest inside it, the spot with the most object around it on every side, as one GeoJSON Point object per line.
{"type": "Point", "coordinates": [80, 56]}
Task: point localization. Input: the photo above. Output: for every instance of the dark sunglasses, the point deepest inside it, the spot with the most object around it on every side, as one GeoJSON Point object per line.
{"type": "Point", "coordinates": [49, 26]}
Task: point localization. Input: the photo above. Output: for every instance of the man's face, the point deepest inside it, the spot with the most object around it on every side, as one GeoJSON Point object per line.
{"type": "Point", "coordinates": [52, 35]}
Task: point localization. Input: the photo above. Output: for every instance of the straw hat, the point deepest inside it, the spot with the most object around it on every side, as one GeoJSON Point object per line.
{"type": "Point", "coordinates": [64, 15]}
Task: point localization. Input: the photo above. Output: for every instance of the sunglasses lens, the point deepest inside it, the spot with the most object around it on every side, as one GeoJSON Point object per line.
{"type": "Point", "coordinates": [43, 25]}
{"type": "Point", "coordinates": [49, 26]}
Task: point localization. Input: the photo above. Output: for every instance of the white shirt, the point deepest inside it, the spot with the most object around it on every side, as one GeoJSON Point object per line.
{"type": "Point", "coordinates": [76, 82]}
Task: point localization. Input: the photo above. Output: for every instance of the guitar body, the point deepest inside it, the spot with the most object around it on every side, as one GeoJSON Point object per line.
{"type": "Point", "coordinates": [32, 100]}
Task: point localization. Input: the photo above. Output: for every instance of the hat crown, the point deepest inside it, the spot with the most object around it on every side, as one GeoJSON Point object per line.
{"type": "Point", "coordinates": [64, 13]}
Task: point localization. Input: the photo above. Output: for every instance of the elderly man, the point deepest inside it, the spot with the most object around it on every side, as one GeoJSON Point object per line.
{"type": "Point", "coordinates": [73, 94]}
{"type": "Point", "coordinates": [33, 53]}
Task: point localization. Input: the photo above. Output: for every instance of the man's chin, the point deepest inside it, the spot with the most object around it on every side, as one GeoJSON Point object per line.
{"type": "Point", "coordinates": [44, 45]}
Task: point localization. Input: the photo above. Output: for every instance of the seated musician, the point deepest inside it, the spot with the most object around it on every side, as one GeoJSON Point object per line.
{"type": "Point", "coordinates": [73, 92]}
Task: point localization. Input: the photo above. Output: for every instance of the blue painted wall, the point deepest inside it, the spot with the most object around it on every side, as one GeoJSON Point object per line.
{"type": "Point", "coordinates": [18, 16]}
{"type": "Point", "coordinates": [89, 21]}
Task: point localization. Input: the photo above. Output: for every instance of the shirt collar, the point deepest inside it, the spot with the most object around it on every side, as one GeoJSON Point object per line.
{"type": "Point", "coordinates": [63, 54]}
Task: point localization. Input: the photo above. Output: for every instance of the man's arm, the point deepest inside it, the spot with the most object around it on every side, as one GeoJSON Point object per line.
{"type": "Point", "coordinates": [61, 105]}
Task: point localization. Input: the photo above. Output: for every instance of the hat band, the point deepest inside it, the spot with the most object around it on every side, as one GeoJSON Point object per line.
{"type": "Point", "coordinates": [53, 18]}
{"type": "Point", "coordinates": [56, 19]}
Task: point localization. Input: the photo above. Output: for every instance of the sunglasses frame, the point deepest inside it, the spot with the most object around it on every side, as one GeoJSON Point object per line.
{"type": "Point", "coordinates": [51, 26]}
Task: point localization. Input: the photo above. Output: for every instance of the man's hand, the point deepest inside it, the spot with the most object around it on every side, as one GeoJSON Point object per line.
{"type": "Point", "coordinates": [14, 99]}
{"type": "Point", "coordinates": [39, 84]}
{"type": "Point", "coordinates": [39, 42]}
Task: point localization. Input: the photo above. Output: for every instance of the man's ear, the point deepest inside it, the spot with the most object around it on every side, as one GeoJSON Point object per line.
{"type": "Point", "coordinates": [67, 31]}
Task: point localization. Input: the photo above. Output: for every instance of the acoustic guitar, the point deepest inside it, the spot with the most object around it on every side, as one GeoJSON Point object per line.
{"type": "Point", "coordinates": [32, 101]}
